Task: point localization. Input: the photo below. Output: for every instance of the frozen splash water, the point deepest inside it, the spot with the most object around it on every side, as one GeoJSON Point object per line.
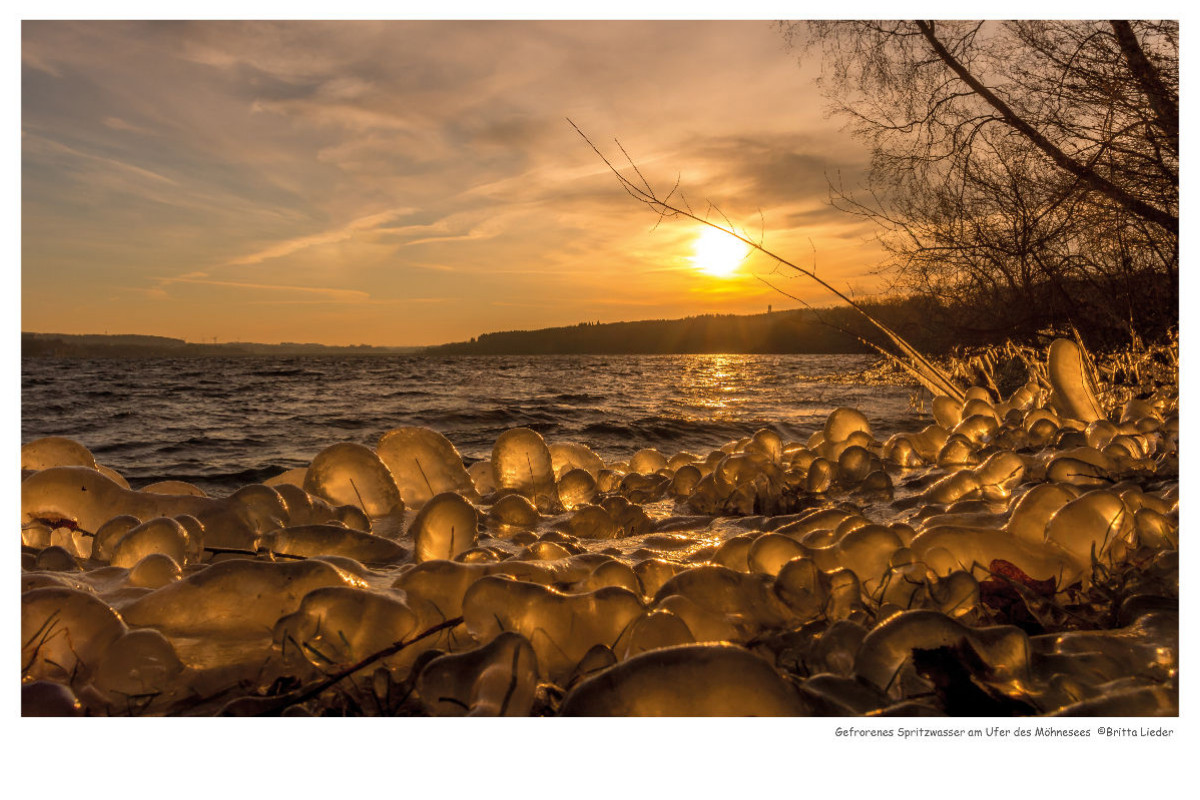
{"type": "Point", "coordinates": [964, 564]}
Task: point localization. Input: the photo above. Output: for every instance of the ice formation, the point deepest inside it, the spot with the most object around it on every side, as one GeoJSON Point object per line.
{"type": "Point", "coordinates": [351, 474]}
{"type": "Point", "coordinates": [233, 598]}
{"type": "Point", "coordinates": [423, 463]}
{"type": "Point", "coordinates": [306, 541]}
{"type": "Point", "coordinates": [55, 451]}
{"type": "Point", "coordinates": [576, 487]}
{"type": "Point", "coordinates": [338, 626]}
{"type": "Point", "coordinates": [65, 634]}
{"type": "Point", "coordinates": [174, 487]}
{"type": "Point", "coordinates": [1013, 556]}
{"type": "Point", "coordinates": [566, 456]}
{"type": "Point", "coordinates": [726, 681]}
{"type": "Point", "coordinates": [159, 535]}
{"type": "Point", "coordinates": [496, 679]}
{"type": "Point", "coordinates": [521, 463]}
{"type": "Point", "coordinates": [562, 628]}
{"type": "Point", "coordinates": [445, 527]}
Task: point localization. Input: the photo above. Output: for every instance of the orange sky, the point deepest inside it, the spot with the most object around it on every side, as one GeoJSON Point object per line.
{"type": "Point", "coordinates": [404, 183]}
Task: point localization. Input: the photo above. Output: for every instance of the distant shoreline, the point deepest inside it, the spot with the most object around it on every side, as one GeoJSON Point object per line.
{"type": "Point", "coordinates": [135, 346]}
{"type": "Point", "coordinates": [778, 333]}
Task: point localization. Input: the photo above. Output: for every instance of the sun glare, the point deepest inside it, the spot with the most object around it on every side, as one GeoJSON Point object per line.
{"type": "Point", "coordinates": [717, 253]}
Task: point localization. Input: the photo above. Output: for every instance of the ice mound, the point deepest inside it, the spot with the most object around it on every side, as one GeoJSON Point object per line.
{"type": "Point", "coordinates": [86, 499]}
{"type": "Point", "coordinates": [424, 464]}
{"type": "Point", "coordinates": [65, 634]}
{"type": "Point", "coordinates": [160, 535]}
{"type": "Point", "coordinates": [232, 598]}
{"type": "Point", "coordinates": [55, 451]}
{"type": "Point", "coordinates": [521, 464]}
{"type": "Point", "coordinates": [562, 628]}
{"type": "Point", "coordinates": [445, 527]}
{"type": "Point", "coordinates": [1015, 555]}
{"type": "Point", "coordinates": [351, 474]}
{"type": "Point", "coordinates": [140, 665]}
{"type": "Point", "coordinates": [577, 487]}
{"type": "Point", "coordinates": [338, 626]}
{"type": "Point", "coordinates": [307, 541]}
{"type": "Point", "coordinates": [174, 487]}
{"type": "Point", "coordinates": [566, 456]}
{"type": "Point", "coordinates": [498, 679]}
{"type": "Point", "coordinates": [688, 680]}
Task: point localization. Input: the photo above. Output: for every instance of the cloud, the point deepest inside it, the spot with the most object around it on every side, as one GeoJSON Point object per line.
{"type": "Point", "coordinates": [341, 234]}
{"type": "Point", "coordinates": [333, 295]}
{"type": "Point", "coordinates": [31, 58]}
{"type": "Point", "coordinates": [118, 124]}
{"type": "Point", "coordinates": [32, 143]}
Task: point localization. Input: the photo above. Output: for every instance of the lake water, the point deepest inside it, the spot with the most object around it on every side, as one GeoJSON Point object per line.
{"type": "Point", "coordinates": [223, 423]}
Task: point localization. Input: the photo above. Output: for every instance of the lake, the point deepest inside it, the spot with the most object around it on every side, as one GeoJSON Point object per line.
{"type": "Point", "coordinates": [223, 423]}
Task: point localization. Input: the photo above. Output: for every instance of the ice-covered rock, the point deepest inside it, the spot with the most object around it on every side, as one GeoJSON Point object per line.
{"type": "Point", "coordinates": [153, 571]}
{"type": "Point", "coordinates": [137, 666]}
{"type": "Point", "coordinates": [49, 699]}
{"type": "Point", "coordinates": [174, 487]}
{"type": "Point", "coordinates": [888, 649]}
{"type": "Point", "coordinates": [647, 461]}
{"type": "Point", "coordinates": [842, 422]}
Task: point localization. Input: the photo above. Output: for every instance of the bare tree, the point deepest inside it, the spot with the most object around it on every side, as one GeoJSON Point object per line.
{"type": "Point", "coordinates": [1024, 174]}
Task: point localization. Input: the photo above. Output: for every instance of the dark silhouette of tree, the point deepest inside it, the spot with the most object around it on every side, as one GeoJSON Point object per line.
{"type": "Point", "coordinates": [1024, 174]}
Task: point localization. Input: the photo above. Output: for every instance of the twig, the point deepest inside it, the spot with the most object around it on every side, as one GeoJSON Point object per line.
{"type": "Point", "coordinates": [307, 694]}
{"type": "Point", "coordinates": [929, 375]}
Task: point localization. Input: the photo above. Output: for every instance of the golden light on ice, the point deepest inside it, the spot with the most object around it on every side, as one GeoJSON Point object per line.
{"type": "Point", "coordinates": [717, 253]}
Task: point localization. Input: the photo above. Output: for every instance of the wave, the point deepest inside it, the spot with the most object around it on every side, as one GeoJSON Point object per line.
{"type": "Point", "coordinates": [228, 422]}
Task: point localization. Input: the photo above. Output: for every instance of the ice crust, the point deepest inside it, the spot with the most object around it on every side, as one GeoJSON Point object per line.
{"type": "Point", "coordinates": [835, 575]}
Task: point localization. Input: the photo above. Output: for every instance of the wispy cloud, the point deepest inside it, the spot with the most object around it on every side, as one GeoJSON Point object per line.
{"type": "Point", "coordinates": [336, 295]}
{"type": "Point", "coordinates": [118, 124]}
{"type": "Point", "coordinates": [31, 58]}
{"type": "Point", "coordinates": [340, 234]}
{"type": "Point", "coordinates": [34, 142]}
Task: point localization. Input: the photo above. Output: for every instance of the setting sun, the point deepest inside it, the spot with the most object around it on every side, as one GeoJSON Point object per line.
{"type": "Point", "coordinates": [718, 253]}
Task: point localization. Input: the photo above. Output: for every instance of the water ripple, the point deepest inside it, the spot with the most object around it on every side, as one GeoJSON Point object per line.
{"type": "Point", "coordinates": [220, 423]}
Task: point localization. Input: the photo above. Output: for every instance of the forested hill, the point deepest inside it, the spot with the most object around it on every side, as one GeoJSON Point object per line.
{"type": "Point", "coordinates": [64, 345]}
{"type": "Point", "coordinates": [778, 332]}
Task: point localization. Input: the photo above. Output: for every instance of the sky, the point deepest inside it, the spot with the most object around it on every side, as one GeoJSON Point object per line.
{"type": "Point", "coordinates": [410, 183]}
